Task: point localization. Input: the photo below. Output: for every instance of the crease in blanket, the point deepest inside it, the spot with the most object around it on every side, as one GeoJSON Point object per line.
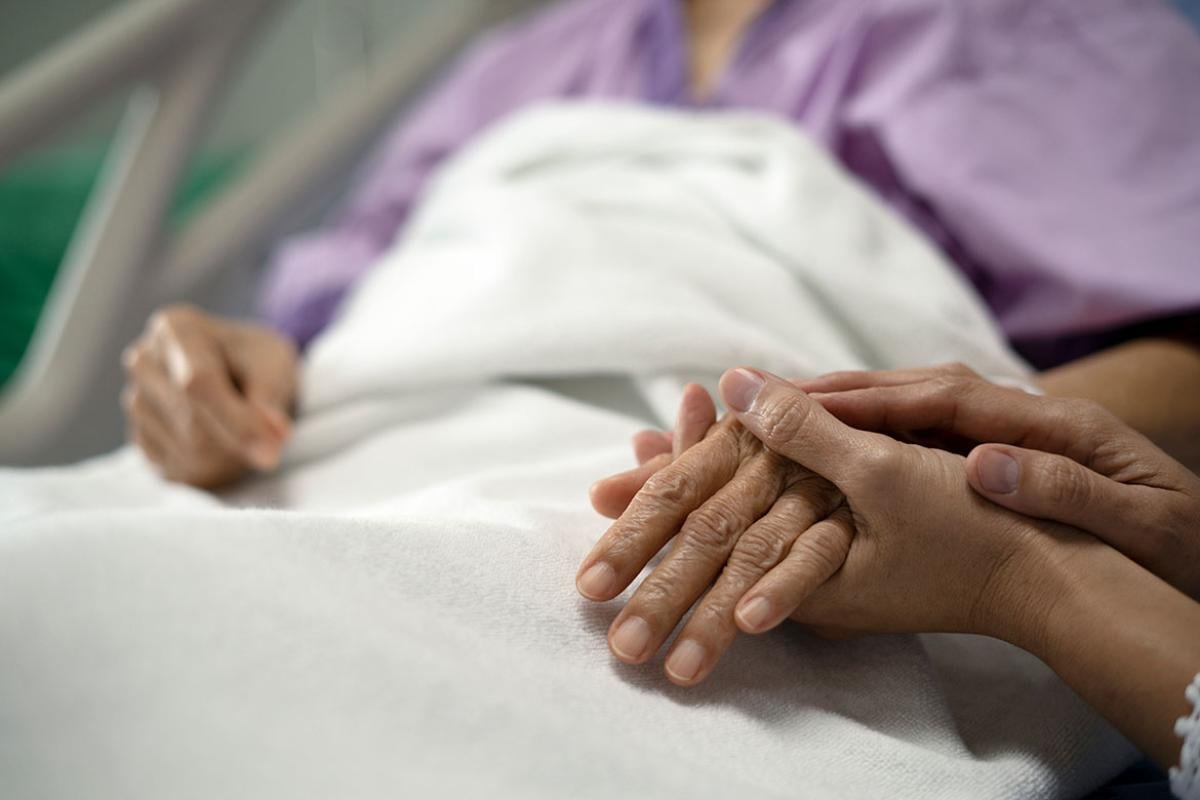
{"type": "Point", "coordinates": [394, 612]}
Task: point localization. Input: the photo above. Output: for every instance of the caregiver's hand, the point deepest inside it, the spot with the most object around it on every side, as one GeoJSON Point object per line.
{"type": "Point", "coordinates": [925, 554]}
{"type": "Point", "coordinates": [930, 554]}
{"type": "Point", "coordinates": [1054, 458]}
{"type": "Point", "coordinates": [861, 574]}
{"type": "Point", "coordinates": [734, 509]}
{"type": "Point", "coordinates": [207, 399]}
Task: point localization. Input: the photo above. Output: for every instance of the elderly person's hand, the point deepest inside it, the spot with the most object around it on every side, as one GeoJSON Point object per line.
{"type": "Point", "coordinates": [733, 509]}
{"type": "Point", "coordinates": [207, 399]}
{"type": "Point", "coordinates": [952, 570]}
{"type": "Point", "coordinates": [1058, 459]}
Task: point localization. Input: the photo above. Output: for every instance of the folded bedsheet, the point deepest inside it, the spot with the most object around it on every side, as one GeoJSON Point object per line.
{"type": "Point", "coordinates": [393, 614]}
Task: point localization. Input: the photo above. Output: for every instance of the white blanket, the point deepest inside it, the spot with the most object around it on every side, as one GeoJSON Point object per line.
{"type": "Point", "coordinates": [397, 616]}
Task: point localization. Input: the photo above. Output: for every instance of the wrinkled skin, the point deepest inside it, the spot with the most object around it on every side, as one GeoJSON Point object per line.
{"type": "Point", "coordinates": [876, 544]}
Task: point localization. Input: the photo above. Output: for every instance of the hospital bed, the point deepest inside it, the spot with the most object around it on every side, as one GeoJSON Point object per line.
{"type": "Point", "coordinates": [286, 627]}
{"type": "Point", "coordinates": [180, 57]}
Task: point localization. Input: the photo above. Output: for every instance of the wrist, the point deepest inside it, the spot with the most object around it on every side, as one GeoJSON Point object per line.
{"type": "Point", "coordinates": [1034, 592]}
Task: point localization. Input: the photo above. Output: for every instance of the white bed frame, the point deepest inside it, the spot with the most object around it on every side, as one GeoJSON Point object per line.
{"type": "Point", "coordinates": [179, 55]}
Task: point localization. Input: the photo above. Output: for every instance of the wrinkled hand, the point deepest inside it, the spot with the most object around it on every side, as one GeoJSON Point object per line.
{"type": "Point", "coordinates": [733, 510]}
{"type": "Point", "coordinates": [207, 399]}
{"type": "Point", "coordinates": [654, 450]}
{"type": "Point", "coordinates": [909, 547]}
{"type": "Point", "coordinates": [1059, 459]}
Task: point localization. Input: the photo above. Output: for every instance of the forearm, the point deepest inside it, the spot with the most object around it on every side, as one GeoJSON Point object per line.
{"type": "Point", "coordinates": [1125, 641]}
{"type": "Point", "coordinates": [1151, 384]}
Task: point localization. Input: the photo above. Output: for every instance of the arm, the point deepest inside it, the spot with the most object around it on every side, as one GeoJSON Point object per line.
{"type": "Point", "coordinates": [1150, 384]}
{"type": "Point", "coordinates": [894, 557]}
{"type": "Point", "coordinates": [1101, 236]}
{"type": "Point", "coordinates": [1125, 641]}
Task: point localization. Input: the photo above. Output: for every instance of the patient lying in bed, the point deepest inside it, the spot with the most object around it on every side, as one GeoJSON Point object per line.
{"type": "Point", "coordinates": [397, 600]}
{"type": "Point", "coordinates": [1089, 252]}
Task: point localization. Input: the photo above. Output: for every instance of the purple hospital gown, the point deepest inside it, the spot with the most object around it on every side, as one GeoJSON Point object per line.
{"type": "Point", "coordinates": [1050, 147]}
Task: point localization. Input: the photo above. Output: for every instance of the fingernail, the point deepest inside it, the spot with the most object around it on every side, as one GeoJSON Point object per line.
{"type": "Point", "coordinates": [739, 388]}
{"type": "Point", "coordinates": [685, 661]}
{"type": "Point", "coordinates": [998, 472]}
{"type": "Point", "coordinates": [263, 455]}
{"type": "Point", "coordinates": [631, 639]}
{"type": "Point", "coordinates": [754, 614]}
{"type": "Point", "coordinates": [597, 582]}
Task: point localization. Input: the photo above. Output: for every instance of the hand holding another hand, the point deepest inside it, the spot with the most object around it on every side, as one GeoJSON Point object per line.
{"type": "Point", "coordinates": [901, 543]}
{"type": "Point", "coordinates": [1059, 459]}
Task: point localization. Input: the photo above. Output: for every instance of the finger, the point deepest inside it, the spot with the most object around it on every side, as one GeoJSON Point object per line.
{"type": "Point", "coordinates": [650, 444]}
{"type": "Point", "coordinates": [1057, 488]}
{"type": "Point", "coordinates": [848, 380]}
{"type": "Point", "coordinates": [701, 549]}
{"type": "Point", "coordinates": [276, 418]}
{"type": "Point", "coordinates": [697, 413]}
{"type": "Point", "coordinates": [655, 515]}
{"type": "Point", "coordinates": [813, 559]}
{"type": "Point", "coordinates": [151, 434]}
{"type": "Point", "coordinates": [612, 495]}
{"type": "Point", "coordinates": [711, 628]}
{"type": "Point", "coordinates": [787, 421]}
{"type": "Point", "coordinates": [263, 364]}
{"type": "Point", "coordinates": [196, 368]}
{"type": "Point", "coordinates": [980, 412]}
{"type": "Point", "coordinates": [190, 434]}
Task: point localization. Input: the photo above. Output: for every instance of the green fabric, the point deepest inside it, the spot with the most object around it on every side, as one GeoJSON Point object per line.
{"type": "Point", "coordinates": [40, 202]}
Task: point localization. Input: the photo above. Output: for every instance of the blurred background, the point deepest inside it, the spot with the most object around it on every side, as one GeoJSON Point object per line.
{"type": "Point", "coordinates": [307, 55]}
{"type": "Point", "coordinates": [307, 52]}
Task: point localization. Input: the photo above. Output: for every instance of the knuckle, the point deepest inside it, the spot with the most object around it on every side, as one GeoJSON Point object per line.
{"type": "Point", "coordinates": [947, 384]}
{"type": "Point", "coordinates": [162, 320]}
{"type": "Point", "coordinates": [198, 384]}
{"type": "Point", "coordinates": [784, 421]}
{"type": "Point", "coordinates": [824, 546]}
{"type": "Point", "coordinates": [135, 359]}
{"type": "Point", "coordinates": [655, 600]}
{"type": "Point", "coordinates": [958, 369]}
{"type": "Point", "coordinates": [1066, 484]}
{"type": "Point", "coordinates": [760, 550]}
{"type": "Point", "coordinates": [878, 468]}
{"type": "Point", "coordinates": [715, 620]}
{"type": "Point", "coordinates": [1091, 414]}
{"type": "Point", "coordinates": [815, 493]}
{"type": "Point", "coordinates": [670, 487]}
{"type": "Point", "coordinates": [711, 528]}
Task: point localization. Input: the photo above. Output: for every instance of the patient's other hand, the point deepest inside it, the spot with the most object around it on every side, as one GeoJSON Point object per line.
{"type": "Point", "coordinates": [207, 399]}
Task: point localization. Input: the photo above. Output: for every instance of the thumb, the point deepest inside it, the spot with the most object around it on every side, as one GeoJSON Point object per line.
{"type": "Point", "coordinates": [1054, 487]}
{"type": "Point", "coordinates": [794, 425]}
